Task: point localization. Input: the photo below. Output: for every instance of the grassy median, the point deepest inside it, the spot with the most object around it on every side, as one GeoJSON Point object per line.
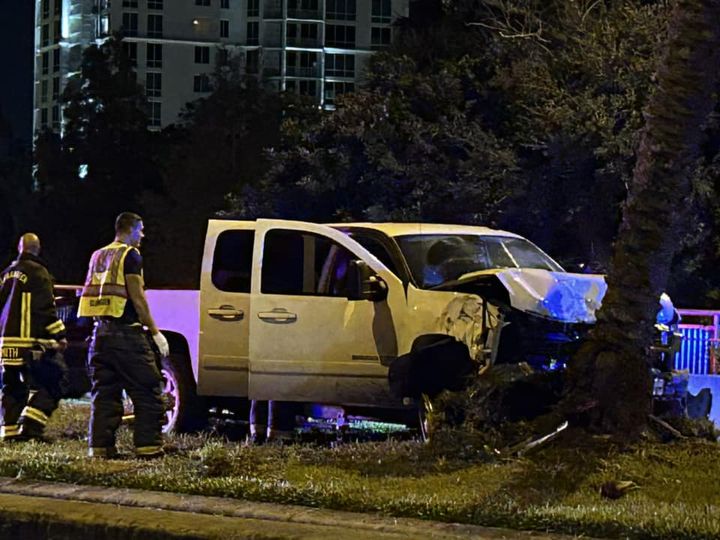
{"type": "Point", "coordinates": [555, 488]}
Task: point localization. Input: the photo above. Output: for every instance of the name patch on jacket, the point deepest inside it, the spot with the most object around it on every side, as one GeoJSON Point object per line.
{"type": "Point", "coordinates": [10, 352]}
{"type": "Point", "coordinates": [94, 302]}
{"type": "Point", "coordinates": [15, 274]}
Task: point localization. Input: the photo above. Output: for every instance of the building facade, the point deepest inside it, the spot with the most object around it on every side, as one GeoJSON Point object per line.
{"type": "Point", "coordinates": [318, 48]}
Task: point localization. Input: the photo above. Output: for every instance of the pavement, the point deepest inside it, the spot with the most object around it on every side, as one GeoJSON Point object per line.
{"type": "Point", "coordinates": [34, 509]}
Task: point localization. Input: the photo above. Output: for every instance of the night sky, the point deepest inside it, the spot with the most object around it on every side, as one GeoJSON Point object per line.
{"type": "Point", "coordinates": [16, 42]}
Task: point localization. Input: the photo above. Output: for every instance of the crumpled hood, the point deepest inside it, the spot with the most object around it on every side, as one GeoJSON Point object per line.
{"type": "Point", "coordinates": [572, 298]}
{"type": "Point", "coordinates": [561, 296]}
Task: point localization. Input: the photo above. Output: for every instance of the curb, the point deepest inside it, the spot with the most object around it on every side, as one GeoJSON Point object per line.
{"type": "Point", "coordinates": [34, 509]}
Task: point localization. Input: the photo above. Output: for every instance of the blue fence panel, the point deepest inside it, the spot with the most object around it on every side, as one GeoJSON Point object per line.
{"type": "Point", "coordinates": [694, 354]}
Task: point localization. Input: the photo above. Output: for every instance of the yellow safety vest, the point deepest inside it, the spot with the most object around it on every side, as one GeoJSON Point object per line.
{"type": "Point", "coordinates": [104, 293]}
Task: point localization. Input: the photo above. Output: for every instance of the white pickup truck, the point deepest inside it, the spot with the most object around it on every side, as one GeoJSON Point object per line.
{"type": "Point", "coordinates": [303, 312]}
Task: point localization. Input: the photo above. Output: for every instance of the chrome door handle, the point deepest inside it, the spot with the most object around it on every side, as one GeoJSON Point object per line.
{"type": "Point", "coordinates": [277, 315]}
{"type": "Point", "coordinates": [226, 313]}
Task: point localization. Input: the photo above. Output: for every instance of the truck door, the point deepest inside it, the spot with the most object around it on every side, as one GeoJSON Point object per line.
{"type": "Point", "coordinates": [225, 308]}
{"type": "Point", "coordinates": [309, 341]}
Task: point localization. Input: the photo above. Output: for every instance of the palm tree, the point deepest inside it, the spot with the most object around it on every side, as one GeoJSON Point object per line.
{"type": "Point", "coordinates": [610, 379]}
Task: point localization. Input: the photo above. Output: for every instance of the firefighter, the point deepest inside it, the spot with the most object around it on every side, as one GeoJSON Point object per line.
{"type": "Point", "coordinates": [120, 355]}
{"type": "Point", "coordinates": [34, 374]}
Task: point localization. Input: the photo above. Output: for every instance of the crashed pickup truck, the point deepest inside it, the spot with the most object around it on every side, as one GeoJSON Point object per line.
{"type": "Point", "coordinates": [304, 312]}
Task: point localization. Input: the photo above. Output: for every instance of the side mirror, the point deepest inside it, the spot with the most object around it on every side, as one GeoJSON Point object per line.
{"type": "Point", "coordinates": [365, 283]}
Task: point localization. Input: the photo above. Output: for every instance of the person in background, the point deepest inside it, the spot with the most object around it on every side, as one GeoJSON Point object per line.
{"type": "Point", "coordinates": [34, 374]}
{"type": "Point", "coordinates": [120, 355]}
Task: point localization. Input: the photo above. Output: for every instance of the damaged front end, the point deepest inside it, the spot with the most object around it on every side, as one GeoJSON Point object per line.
{"type": "Point", "coordinates": [529, 315]}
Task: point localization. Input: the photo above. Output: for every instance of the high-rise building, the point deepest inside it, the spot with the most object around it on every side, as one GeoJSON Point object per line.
{"type": "Point", "coordinates": [313, 47]}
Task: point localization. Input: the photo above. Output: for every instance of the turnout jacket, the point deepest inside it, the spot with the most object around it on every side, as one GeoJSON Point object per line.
{"type": "Point", "coordinates": [28, 317]}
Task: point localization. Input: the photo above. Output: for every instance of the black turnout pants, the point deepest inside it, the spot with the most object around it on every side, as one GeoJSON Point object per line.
{"type": "Point", "coordinates": [30, 394]}
{"type": "Point", "coordinates": [120, 358]}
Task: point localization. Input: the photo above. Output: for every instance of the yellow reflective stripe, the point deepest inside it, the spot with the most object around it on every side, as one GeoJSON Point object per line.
{"type": "Point", "coordinates": [11, 340]}
{"type": "Point", "coordinates": [147, 450]}
{"type": "Point", "coordinates": [120, 276]}
{"type": "Point", "coordinates": [35, 414]}
{"type": "Point", "coordinates": [10, 430]}
{"type": "Point", "coordinates": [101, 452]}
{"type": "Point", "coordinates": [12, 362]}
{"type": "Point", "coordinates": [112, 307]}
{"type": "Point", "coordinates": [25, 315]}
{"type": "Point", "coordinates": [56, 327]}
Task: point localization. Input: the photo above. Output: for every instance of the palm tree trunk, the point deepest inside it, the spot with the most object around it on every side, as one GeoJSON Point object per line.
{"type": "Point", "coordinates": [609, 376]}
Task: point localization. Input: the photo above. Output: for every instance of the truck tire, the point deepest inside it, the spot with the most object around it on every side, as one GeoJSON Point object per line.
{"type": "Point", "coordinates": [185, 411]}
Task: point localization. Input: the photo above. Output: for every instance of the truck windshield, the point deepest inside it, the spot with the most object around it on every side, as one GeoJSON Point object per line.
{"type": "Point", "coordinates": [437, 258]}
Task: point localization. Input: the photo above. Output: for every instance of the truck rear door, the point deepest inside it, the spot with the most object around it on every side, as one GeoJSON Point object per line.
{"type": "Point", "coordinates": [224, 308]}
{"type": "Point", "coordinates": [309, 342]}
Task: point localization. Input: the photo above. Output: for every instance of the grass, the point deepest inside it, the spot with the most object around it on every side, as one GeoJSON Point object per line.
{"type": "Point", "coordinates": [553, 489]}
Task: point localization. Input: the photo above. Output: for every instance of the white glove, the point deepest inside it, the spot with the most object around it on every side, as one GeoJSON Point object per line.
{"type": "Point", "coordinates": [162, 344]}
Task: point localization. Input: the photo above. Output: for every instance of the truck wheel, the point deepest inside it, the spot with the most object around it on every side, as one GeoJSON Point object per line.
{"type": "Point", "coordinates": [184, 410]}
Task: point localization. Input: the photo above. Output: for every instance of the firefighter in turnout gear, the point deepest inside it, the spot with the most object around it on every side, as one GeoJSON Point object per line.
{"type": "Point", "coordinates": [34, 374]}
{"type": "Point", "coordinates": [120, 356]}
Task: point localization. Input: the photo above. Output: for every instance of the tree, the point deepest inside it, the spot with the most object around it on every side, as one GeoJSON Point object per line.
{"type": "Point", "coordinates": [404, 148]}
{"type": "Point", "coordinates": [610, 373]}
{"type": "Point", "coordinates": [100, 165]}
{"type": "Point", "coordinates": [217, 146]}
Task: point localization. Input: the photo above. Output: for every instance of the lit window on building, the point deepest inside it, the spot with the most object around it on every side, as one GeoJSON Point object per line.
{"type": "Point", "coordinates": [340, 10]}
{"type": "Point", "coordinates": [155, 114]}
{"type": "Point", "coordinates": [45, 63]}
{"type": "Point", "coordinates": [338, 35]}
{"type": "Point", "coordinates": [153, 84]}
{"type": "Point", "coordinates": [202, 55]}
{"type": "Point", "coordinates": [155, 25]}
{"type": "Point", "coordinates": [380, 37]}
{"type": "Point", "coordinates": [224, 28]}
{"type": "Point", "coordinates": [83, 170]}
{"type": "Point", "coordinates": [253, 33]}
{"type": "Point", "coordinates": [154, 56]}
{"type": "Point", "coordinates": [130, 24]}
{"type": "Point", "coordinates": [201, 83]}
{"type": "Point", "coordinates": [381, 11]}
{"type": "Point", "coordinates": [253, 9]}
{"type": "Point", "coordinates": [155, 4]}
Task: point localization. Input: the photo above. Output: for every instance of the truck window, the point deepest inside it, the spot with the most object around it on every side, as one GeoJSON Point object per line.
{"type": "Point", "coordinates": [298, 263]}
{"type": "Point", "coordinates": [376, 248]}
{"type": "Point", "coordinates": [232, 261]}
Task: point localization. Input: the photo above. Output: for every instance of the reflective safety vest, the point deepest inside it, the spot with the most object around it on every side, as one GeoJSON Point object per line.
{"type": "Point", "coordinates": [104, 293]}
